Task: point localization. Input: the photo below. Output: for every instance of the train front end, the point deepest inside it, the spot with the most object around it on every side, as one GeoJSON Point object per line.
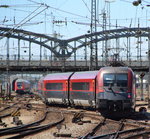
{"type": "Point", "coordinates": [115, 89]}
{"type": "Point", "coordinates": [22, 86]}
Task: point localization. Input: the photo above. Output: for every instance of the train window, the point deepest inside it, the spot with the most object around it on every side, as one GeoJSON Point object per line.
{"type": "Point", "coordinates": [19, 84]}
{"type": "Point", "coordinates": [54, 86]}
{"type": "Point", "coordinates": [121, 80]}
{"type": "Point", "coordinates": [109, 79]}
{"type": "Point", "coordinates": [80, 86]}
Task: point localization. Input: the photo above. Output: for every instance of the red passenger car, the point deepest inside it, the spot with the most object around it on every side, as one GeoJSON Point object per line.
{"type": "Point", "coordinates": [55, 87]}
{"type": "Point", "coordinates": [83, 88]}
{"type": "Point", "coordinates": [115, 88]}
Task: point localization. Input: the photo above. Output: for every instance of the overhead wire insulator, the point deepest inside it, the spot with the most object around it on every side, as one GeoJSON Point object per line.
{"type": "Point", "coordinates": [4, 6]}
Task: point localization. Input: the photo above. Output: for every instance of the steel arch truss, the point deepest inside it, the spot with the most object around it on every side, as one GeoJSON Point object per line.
{"type": "Point", "coordinates": [56, 46]}
{"type": "Point", "coordinates": [65, 48]}
{"type": "Point", "coordinates": [111, 34]}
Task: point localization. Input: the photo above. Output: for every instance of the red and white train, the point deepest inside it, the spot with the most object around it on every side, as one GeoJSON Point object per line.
{"type": "Point", "coordinates": [22, 86]}
{"type": "Point", "coordinates": [110, 88]}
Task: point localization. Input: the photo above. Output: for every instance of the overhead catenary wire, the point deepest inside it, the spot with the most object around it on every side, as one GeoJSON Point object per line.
{"type": "Point", "coordinates": [22, 22]}
{"type": "Point", "coordinates": [60, 10]}
{"type": "Point", "coordinates": [27, 24]}
{"type": "Point", "coordinates": [146, 1]}
{"type": "Point", "coordinates": [18, 5]}
{"type": "Point", "coordinates": [86, 6]}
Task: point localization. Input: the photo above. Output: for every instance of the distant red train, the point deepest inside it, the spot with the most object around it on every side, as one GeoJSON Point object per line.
{"type": "Point", "coordinates": [110, 88]}
{"type": "Point", "coordinates": [22, 86]}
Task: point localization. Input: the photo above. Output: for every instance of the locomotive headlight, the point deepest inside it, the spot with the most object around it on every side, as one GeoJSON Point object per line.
{"type": "Point", "coordinates": [129, 95]}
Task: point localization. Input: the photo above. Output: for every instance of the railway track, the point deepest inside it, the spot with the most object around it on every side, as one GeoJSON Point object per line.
{"type": "Point", "coordinates": [110, 129]}
{"type": "Point", "coordinates": [21, 130]}
{"type": "Point", "coordinates": [28, 129]}
{"type": "Point", "coordinates": [53, 122]}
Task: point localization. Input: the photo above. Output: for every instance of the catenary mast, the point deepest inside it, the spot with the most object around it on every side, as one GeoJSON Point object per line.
{"type": "Point", "coordinates": [93, 44]}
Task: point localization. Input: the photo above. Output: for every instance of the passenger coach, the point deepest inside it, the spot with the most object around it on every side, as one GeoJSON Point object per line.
{"type": "Point", "coordinates": [55, 87]}
{"type": "Point", "coordinates": [83, 88]}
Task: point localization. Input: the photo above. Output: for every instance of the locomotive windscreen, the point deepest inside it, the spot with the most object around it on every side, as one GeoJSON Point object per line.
{"type": "Point", "coordinates": [54, 86]}
{"type": "Point", "coordinates": [19, 85]}
{"type": "Point", "coordinates": [80, 86]}
{"type": "Point", "coordinates": [119, 80]}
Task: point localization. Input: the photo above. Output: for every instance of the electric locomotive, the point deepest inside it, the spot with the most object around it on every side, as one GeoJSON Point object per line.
{"type": "Point", "coordinates": [115, 89]}
{"type": "Point", "coordinates": [110, 88]}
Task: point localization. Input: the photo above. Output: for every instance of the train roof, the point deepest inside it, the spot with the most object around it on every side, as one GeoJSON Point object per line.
{"type": "Point", "coordinates": [58, 76]}
{"type": "Point", "coordinates": [115, 69]}
{"type": "Point", "coordinates": [21, 80]}
{"type": "Point", "coordinates": [84, 75]}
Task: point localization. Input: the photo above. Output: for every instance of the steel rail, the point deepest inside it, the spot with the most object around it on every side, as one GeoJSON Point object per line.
{"type": "Point", "coordinates": [121, 126]}
{"type": "Point", "coordinates": [8, 107]}
{"type": "Point", "coordinates": [10, 130]}
{"type": "Point", "coordinates": [30, 131]}
{"type": "Point", "coordinates": [5, 115]}
{"type": "Point", "coordinates": [137, 135]}
{"type": "Point", "coordinates": [120, 132]}
{"type": "Point", "coordinates": [94, 129]}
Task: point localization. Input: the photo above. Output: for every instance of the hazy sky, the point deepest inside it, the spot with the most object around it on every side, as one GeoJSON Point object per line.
{"type": "Point", "coordinates": [39, 15]}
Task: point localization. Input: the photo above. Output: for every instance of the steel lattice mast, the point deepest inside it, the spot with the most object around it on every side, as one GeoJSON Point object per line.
{"type": "Point", "coordinates": [93, 45]}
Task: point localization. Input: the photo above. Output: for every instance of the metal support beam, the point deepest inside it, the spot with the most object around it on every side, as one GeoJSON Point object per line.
{"type": "Point", "coordinates": [75, 55]}
{"type": "Point", "coordinates": [149, 72]}
{"type": "Point", "coordinates": [129, 52]}
{"type": "Point", "coordinates": [142, 95]}
{"type": "Point", "coordinates": [40, 52]}
{"type": "Point", "coordinates": [140, 51]}
{"type": "Point", "coordinates": [86, 52]}
{"type": "Point", "coordinates": [127, 49]}
{"type": "Point", "coordinates": [29, 52]}
{"type": "Point", "coordinates": [8, 51]}
{"type": "Point", "coordinates": [18, 51]}
{"type": "Point", "coordinates": [8, 78]}
{"type": "Point", "coordinates": [93, 46]}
